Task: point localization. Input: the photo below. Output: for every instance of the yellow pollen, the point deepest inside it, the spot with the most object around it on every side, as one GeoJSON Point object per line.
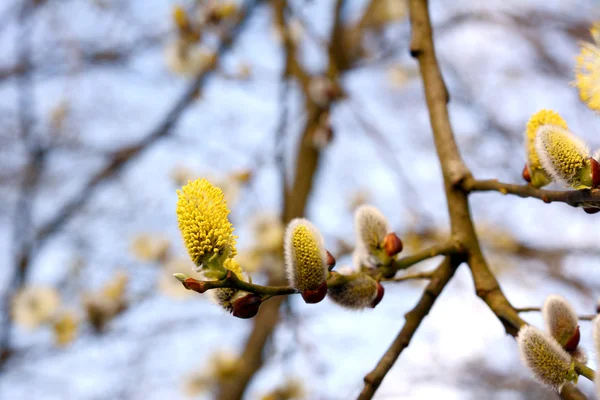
{"type": "Point", "coordinates": [537, 120]}
{"type": "Point", "coordinates": [202, 216]}
{"type": "Point", "coordinates": [309, 269]}
{"type": "Point", "coordinates": [587, 70]}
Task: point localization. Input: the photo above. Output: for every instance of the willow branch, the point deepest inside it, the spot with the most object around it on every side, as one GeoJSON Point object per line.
{"type": "Point", "coordinates": [589, 317]}
{"type": "Point", "coordinates": [233, 282]}
{"type": "Point", "coordinates": [455, 171]}
{"type": "Point", "coordinates": [575, 198]}
{"type": "Point", "coordinates": [442, 249]}
{"type": "Point", "coordinates": [414, 317]}
{"type": "Point", "coordinates": [418, 275]}
{"type": "Point", "coordinates": [585, 371]}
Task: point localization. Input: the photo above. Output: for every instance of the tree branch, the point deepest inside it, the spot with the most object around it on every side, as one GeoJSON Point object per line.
{"type": "Point", "coordinates": [575, 198]}
{"type": "Point", "coordinates": [589, 317]}
{"type": "Point", "coordinates": [455, 171]}
{"type": "Point", "coordinates": [414, 317]}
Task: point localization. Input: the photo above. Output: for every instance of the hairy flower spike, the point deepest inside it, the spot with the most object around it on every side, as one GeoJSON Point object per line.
{"type": "Point", "coordinates": [536, 174]}
{"type": "Point", "coordinates": [587, 70]}
{"type": "Point", "coordinates": [550, 363]}
{"type": "Point", "coordinates": [306, 259]}
{"type": "Point", "coordinates": [561, 319]}
{"type": "Point", "coordinates": [564, 156]}
{"type": "Point", "coordinates": [357, 291]}
{"type": "Point", "coordinates": [202, 216]}
{"type": "Point", "coordinates": [371, 230]}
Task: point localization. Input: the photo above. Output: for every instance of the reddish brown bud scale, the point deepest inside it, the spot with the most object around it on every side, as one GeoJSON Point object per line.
{"type": "Point", "coordinates": [574, 341]}
{"type": "Point", "coordinates": [595, 167]}
{"type": "Point", "coordinates": [392, 244]}
{"type": "Point", "coordinates": [380, 293]}
{"type": "Point", "coordinates": [247, 306]}
{"type": "Point", "coordinates": [194, 284]}
{"type": "Point", "coordinates": [330, 260]}
{"type": "Point", "coordinates": [526, 174]}
{"type": "Point", "coordinates": [591, 210]}
{"type": "Point", "coordinates": [316, 295]}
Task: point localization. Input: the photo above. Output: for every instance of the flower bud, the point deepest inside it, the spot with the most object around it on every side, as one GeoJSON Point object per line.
{"type": "Point", "coordinates": [356, 291]}
{"type": "Point", "coordinates": [379, 297]}
{"type": "Point", "coordinates": [330, 260]}
{"type": "Point", "coordinates": [306, 261]}
{"type": "Point", "coordinates": [392, 244]}
{"type": "Point", "coordinates": [315, 296]}
{"type": "Point", "coordinates": [371, 230]}
{"type": "Point", "coordinates": [561, 321]}
{"type": "Point", "coordinates": [564, 156]}
{"type": "Point", "coordinates": [247, 306]}
{"type": "Point", "coordinates": [595, 168]}
{"type": "Point", "coordinates": [550, 363]}
{"type": "Point", "coordinates": [591, 210]}
{"type": "Point", "coordinates": [526, 175]}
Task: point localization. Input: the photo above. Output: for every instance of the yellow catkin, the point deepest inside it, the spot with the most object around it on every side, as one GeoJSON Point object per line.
{"type": "Point", "coordinates": [538, 120]}
{"type": "Point", "coordinates": [587, 70]}
{"type": "Point", "coordinates": [202, 216]}
{"type": "Point", "coordinates": [308, 256]}
{"type": "Point", "coordinates": [550, 364]}
{"type": "Point", "coordinates": [305, 256]}
{"type": "Point", "coordinates": [563, 156]}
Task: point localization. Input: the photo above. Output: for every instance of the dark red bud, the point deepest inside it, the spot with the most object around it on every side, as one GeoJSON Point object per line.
{"type": "Point", "coordinates": [392, 244]}
{"type": "Point", "coordinates": [595, 166]}
{"type": "Point", "coordinates": [330, 261]}
{"type": "Point", "coordinates": [380, 293]}
{"type": "Point", "coordinates": [315, 296]}
{"type": "Point", "coordinates": [247, 306]}
{"type": "Point", "coordinates": [598, 308]}
{"type": "Point", "coordinates": [591, 210]}
{"type": "Point", "coordinates": [526, 175]}
{"type": "Point", "coordinates": [574, 341]}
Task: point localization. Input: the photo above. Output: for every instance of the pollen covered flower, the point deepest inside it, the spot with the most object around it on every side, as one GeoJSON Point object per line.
{"type": "Point", "coordinates": [549, 362]}
{"type": "Point", "coordinates": [543, 118]}
{"type": "Point", "coordinates": [587, 70]}
{"type": "Point", "coordinates": [564, 156]}
{"type": "Point", "coordinates": [306, 260]}
{"type": "Point", "coordinates": [202, 216]}
{"type": "Point", "coordinates": [34, 306]}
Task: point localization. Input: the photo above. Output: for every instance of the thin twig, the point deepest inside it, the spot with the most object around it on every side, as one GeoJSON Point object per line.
{"type": "Point", "coordinates": [589, 317]}
{"type": "Point", "coordinates": [440, 278]}
{"type": "Point", "coordinates": [575, 198]}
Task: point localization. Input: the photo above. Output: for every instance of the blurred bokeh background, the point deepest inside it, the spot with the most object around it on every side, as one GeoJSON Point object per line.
{"type": "Point", "coordinates": [108, 106]}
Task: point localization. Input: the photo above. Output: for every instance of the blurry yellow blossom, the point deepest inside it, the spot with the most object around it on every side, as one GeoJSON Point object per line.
{"type": "Point", "coordinates": [587, 70]}
{"type": "Point", "coordinates": [59, 114]}
{"type": "Point", "coordinates": [399, 75]}
{"type": "Point", "coordinates": [65, 328]}
{"type": "Point", "coordinates": [268, 232]}
{"type": "Point", "coordinates": [382, 12]}
{"type": "Point", "coordinates": [221, 367]}
{"type": "Point", "coordinates": [202, 216]}
{"type": "Point", "coordinates": [102, 306]}
{"type": "Point", "coordinates": [181, 174]}
{"type": "Point", "coordinates": [148, 247]}
{"type": "Point", "coordinates": [33, 306]}
{"type": "Point", "coordinates": [292, 389]}
{"type": "Point", "coordinates": [250, 260]}
{"type": "Point", "coordinates": [187, 59]}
